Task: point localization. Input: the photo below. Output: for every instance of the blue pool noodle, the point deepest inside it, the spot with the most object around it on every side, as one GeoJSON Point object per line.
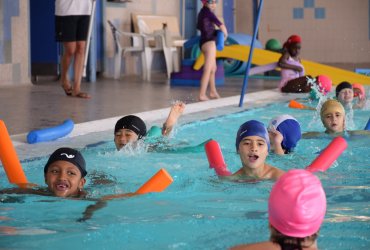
{"type": "Point", "coordinates": [220, 39]}
{"type": "Point", "coordinates": [50, 134]}
{"type": "Point", "coordinates": [367, 127]}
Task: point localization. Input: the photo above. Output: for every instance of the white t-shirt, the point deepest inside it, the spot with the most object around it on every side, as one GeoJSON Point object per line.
{"type": "Point", "coordinates": [72, 7]}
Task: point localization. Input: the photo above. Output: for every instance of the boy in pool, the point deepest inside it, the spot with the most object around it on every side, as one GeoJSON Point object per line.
{"type": "Point", "coordinates": [296, 208]}
{"type": "Point", "coordinates": [284, 134]}
{"type": "Point", "coordinates": [252, 144]}
{"type": "Point", "coordinates": [64, 174]}
{"type": "Point", "coordinates": [345, 95]}
{"type": "Point", "coordinates": [333, 118]}
{"type": "Point", "coordinates": [130, 129]}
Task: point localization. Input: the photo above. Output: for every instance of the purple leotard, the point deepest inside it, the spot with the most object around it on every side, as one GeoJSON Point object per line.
{"type": "Point", "coordinates": [289, 74]}
{"type": "Point", "coordinates": [206, 24]}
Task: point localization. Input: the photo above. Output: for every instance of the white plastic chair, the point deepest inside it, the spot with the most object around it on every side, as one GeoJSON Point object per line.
{"type": "Point", "coordinates": [138, 46]}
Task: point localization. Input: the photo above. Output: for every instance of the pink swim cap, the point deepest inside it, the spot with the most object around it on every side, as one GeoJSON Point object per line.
{"type": "Point", "coordinates": [324, 83]}
{"type": "Point", "coordinates": [297, 204]}
{"type": "Point", "coordinates": [359, 87]}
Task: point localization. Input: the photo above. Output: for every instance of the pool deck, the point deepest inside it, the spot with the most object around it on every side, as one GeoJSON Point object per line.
{"type": "Point", "coordinates": [42, 105]}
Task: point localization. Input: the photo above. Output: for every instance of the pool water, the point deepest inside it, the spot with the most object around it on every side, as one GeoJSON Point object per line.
{"type": "Point", "coordinates": [198, 211]}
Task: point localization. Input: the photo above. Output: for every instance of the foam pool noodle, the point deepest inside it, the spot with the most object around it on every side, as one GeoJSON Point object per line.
{"type": "Point", "coordinates": [215, 158]}
{"type": "Point", "coordinates": [328, 155]}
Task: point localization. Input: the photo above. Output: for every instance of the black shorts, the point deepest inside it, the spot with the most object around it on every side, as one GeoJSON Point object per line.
{"type": "Point", "coordinates": [71, 28]}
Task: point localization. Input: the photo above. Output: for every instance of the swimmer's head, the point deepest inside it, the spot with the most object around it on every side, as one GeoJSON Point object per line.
{"type": "Point", "coordinates": [290, 128]}
{"type": "Point", "coordinates": [293, 45]}
{"type": "Point", "coordinates": [297, 204]}
{"type": "Point", "coordinates": [70, 155]}
{"type": "Point", "coordinates": [252, 128]}
{"type": "Point", "coordinates": [359, 90]}
{"type": "Point", "coordinates": [333, 116]}
{"type": "Point", "coordinates": [331, 106]}
{"type": "Point", "coordinates": [133, 123]}
{"type": "Point", "coordinates": [341, 86]}
{"type": "Point", "coordinates": [324, 83]}
{"type": "Point", "coordinates": [208, 1]}
{"type": "Point", "coordinates": [128, 129]}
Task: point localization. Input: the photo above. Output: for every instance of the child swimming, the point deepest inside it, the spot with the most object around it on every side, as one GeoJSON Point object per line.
{"type": "Point", "coordinates": [284, 134]}
{"type": "Point", "coordinates": [296, 210]}
{"type": "Point", "coordinates": [345, 95]}
{"type": "Point", "coordinates": [252, 145]}
{"type": "Point", "coordinates": [130, 129]}
{"type": "Point", "coordinates": [64, 175]}
{"type": "Point", "coordinates": [332, 115]}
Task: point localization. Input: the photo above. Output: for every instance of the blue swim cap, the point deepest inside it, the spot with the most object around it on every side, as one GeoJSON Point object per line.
{"type": "Point", "coordinates": [252, 128]}
{"type": "Point", "coordinates": [290, 128]}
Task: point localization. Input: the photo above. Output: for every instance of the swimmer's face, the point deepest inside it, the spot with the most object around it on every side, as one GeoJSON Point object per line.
{"type": "Point", "coordinates": [212, 4]}
{"type": "Point", "coordinates": [124, 136]}
{"type": "Point", "coordinates": [345, 96]}
{"type": "Point", "coordinates": [294, 49]}
{"type": "Point", "coordinates": [253, 151]}
{"type": "Point", "coordinates": [64, 179]}
{"type": "Point", "coordinates": [333, 122]}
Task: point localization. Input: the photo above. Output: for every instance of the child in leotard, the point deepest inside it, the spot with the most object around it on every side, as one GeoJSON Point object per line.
{"type": "Point", "coordinates": [293, 79]}
{"type": "Point", "coordinates": [296, 209]}
{"type": "Point", "coordinates": [206, 24]}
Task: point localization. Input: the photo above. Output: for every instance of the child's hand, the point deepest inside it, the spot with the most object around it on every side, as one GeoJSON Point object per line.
{"type": "Point", "coordinates": [276, 136]}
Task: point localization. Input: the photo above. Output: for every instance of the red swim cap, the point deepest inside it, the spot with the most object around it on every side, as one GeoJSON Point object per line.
{"type": "Point", "coordinates": [293, 39]}
{"type": "Point", "coordinates": [360, 88]}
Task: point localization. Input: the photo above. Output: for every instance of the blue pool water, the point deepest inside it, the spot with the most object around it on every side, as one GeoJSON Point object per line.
{"type": "Point", "coordinates": [197, 211]}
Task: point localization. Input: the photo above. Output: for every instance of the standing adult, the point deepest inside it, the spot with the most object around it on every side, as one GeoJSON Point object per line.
{"type": "Point", "coordinates": [71, 27]}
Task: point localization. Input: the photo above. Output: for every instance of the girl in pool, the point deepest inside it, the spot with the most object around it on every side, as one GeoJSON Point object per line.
{"type": "Point", "coordinates": [293, 79]}
{"type": "Point", "coordinates": [296, 208]}
{"type": "Point", "coordinates": [252, 144]}
{"type": "Point", "coordinates": [206, 24]}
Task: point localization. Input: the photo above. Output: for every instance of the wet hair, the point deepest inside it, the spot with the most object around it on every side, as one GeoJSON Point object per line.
{"type": "Point", "coordinates": [289, 242]}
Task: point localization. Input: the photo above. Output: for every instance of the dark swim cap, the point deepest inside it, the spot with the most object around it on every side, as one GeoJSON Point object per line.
{"type": "Point", "coordinates": [133, 123]}
{"type": "Point", "coordinates": [252, 128]}
{"type": "Point", "coordinates": [70, 155]}
{"type": "Point", "coordinates": [342, 85]}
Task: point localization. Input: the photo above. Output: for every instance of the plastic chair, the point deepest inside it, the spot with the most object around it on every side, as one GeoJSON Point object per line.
{"type": "Point", "coordinates": [138, 42]}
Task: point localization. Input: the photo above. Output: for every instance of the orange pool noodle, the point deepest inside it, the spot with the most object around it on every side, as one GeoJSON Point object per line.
{"type": "Point", "coordinates": [328, 155]}
{"type": "Point", "coordinates": [296, 105]}
{"type": "Point", "coordinates": [9, 158]}
{"type": "Point", "coordinates": [159, 182]}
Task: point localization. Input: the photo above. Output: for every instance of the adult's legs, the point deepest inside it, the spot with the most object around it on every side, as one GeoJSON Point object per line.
{"type": "Point", "coordinates": [209, 51]}
{"type": "Point", "coordinates": [79, 57]}
{"type": "Point", "coordinates": [69, 51]}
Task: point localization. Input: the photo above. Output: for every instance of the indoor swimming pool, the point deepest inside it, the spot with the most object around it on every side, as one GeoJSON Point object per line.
{"type": "Point", "coordinates": [197, 211]}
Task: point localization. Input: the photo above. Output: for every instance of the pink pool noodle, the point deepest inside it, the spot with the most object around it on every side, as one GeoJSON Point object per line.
{"type": "Point", "coordinates": [215, 158]}
{"type": "Point", "coordinates": [328, 155]}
